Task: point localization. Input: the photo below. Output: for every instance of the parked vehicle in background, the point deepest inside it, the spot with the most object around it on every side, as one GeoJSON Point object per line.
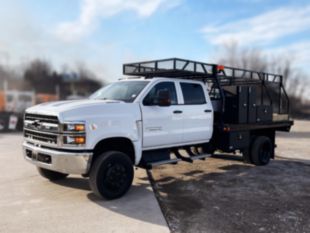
{"type": "Point", "coordinates": [12, 107]}
{"type": "Point", "coordinates": [176, 106]}
{"type": "Point", "coordinates": [17, 101]}
{"type": "Point", "coordinates": [13, 104]}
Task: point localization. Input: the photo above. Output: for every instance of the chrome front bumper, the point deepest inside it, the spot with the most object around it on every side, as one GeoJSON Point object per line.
{"type": "Point", "coordinates": [69, 162]}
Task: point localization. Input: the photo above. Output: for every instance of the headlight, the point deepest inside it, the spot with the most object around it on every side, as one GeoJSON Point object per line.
{"type": "Point", "coordinates": [74, 140]}
{"type": "Point", "coordinates": [74, 133]}
{"type": "Point", "coordinates": [74, 127]}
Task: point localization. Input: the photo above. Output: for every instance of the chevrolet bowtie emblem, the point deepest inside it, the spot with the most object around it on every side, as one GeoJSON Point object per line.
{"type": "Point", "coordinates": [36, 123]}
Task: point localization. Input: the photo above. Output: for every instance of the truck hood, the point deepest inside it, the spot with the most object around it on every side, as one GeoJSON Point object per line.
{"type": "Point", "coordinates": [80, 109]}
{"type": "Point", "coordinates": [54, 108]}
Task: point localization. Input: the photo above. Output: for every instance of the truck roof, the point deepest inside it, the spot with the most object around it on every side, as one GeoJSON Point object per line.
{"type": "Point", "coordinates": [158, 78]}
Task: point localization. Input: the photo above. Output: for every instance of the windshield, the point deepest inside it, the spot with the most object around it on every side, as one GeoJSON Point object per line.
{"type": "Point", "coordinates": [126, 91]}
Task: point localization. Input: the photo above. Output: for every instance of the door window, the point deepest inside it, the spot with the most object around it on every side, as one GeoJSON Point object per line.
{"type": "Point", "coordinates": [193, 93]}
{"type": "Point", "coordinates": [169, 86]}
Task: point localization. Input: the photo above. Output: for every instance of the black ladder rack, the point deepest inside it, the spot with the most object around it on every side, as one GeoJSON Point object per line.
{"type": "Point", "coordinates": [181, 68]}
{"type": "Point", "coordinates": [215, 75]}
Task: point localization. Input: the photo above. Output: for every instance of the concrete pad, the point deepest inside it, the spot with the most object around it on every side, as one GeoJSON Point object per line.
{"type": "Point", "coordinates": [295, 144]}
{"type": "Point", "coordinates": [30, 203]}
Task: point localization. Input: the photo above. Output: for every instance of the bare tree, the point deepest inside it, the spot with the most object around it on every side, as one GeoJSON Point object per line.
{"type": "Point", "coordinates": [294, 80]}
{"type": "Point", "coordinates": [40, 77]}
{"type": "Point", "coordinates": [83, 72]}
{"type": "Point", "coordinates": [254, 59]}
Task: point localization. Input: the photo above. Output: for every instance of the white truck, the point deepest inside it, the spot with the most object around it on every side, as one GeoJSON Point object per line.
{"type": "Point", "coordinates": [144, 121]}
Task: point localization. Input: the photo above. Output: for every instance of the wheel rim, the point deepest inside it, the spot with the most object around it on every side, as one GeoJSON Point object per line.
{"type": "Point", "coordinates": [265, 152]}
{"type": "Point", "coordinates": [115, 178]}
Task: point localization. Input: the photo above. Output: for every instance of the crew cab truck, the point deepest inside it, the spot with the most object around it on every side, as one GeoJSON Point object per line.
{"type": "Point", "coordinates": [168, 111]}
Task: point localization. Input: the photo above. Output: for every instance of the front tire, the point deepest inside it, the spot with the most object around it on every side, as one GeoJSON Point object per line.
{"type": "Point", "coordinates": [261, 151]}
{"type": "Point", "coordinates": [111, 175]}
{"type": "Point", "coordinates": [51, 175]}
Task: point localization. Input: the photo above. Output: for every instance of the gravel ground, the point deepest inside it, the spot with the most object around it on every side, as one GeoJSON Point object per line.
{"type": "Point", "coordinates": [223, 194]}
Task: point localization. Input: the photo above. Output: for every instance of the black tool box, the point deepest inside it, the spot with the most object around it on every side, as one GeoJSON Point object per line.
{"type": "Point", "coordinates": [264, 113]}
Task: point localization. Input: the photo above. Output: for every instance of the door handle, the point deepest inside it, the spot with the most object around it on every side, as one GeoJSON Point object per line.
{"type": "Point", "coordinates": [208, 110]}
{"type": "Point", "coordinates": [177, 111]}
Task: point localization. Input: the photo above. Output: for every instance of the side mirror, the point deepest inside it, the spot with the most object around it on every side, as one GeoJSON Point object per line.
{"type": "Point", "coordinates": [163, 98]}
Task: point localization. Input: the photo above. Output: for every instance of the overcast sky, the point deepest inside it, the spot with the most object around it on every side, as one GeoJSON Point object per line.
{"type": "Point", "coordinates": [104, 33]}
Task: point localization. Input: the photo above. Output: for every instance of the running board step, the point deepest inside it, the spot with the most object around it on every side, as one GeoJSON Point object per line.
{"type": "Point", "coordinates": [158, 163]}
{"type": "Point", "coordinates": [201, 157]}
{"type": "Point", "coordinates": [192, 157]}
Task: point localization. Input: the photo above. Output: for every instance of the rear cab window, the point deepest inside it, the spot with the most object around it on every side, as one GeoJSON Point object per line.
{"type": "Point", "coordinates": [192, 93]}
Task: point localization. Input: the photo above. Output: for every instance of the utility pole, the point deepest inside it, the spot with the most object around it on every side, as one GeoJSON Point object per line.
{"type": "Point", "coordinates": [5, 85]}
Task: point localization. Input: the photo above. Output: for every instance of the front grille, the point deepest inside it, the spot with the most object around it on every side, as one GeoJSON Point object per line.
{"type": "Point", "coordinates": [42, 137]}
{"type": "Point", "coordinates": [41, 118]}
{"type": "Point", "coordinates": [41, 123]}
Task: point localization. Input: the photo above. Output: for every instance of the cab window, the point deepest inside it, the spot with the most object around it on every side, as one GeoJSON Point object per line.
{"type": "Point", "coordinates": [193, 93]}
{"type": "Point", "coordinates": [169, 86]}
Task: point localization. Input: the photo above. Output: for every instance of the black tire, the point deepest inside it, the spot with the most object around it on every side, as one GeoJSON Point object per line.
{"type": "Point", "coordinates": [261, 150]}
{"type": "Point", "coordinates": [111, 175]}
{"type": "Point", "coordinates": [51, 175]}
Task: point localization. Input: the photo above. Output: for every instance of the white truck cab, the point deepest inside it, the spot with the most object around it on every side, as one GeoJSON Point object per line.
{"type": "Point", "coordinates": [131, 116]}
{"type": "Point", "coordinates": [177, 104]}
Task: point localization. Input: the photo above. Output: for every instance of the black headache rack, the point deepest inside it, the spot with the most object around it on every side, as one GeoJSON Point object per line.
{"type": "Point", "coordinates": [249, 96]}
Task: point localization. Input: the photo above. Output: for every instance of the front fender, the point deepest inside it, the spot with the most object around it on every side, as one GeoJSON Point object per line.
{"type": "Point", "coordinates": [131, 131]}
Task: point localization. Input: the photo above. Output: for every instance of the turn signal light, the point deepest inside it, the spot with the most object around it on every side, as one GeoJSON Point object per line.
{"type": "Point", "coordinates": [79, 127]}
{"type": "Point", "coordinates": [79, 140]}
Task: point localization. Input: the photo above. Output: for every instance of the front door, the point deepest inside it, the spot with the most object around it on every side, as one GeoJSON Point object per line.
{"type": "Point", "coordinates": [161, 124]}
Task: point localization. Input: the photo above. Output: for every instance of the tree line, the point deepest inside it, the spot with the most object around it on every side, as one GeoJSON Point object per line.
{"type": "Point", "coordinates": [295, 81]}
{"type": "Point", "coordinates": [40, 77]}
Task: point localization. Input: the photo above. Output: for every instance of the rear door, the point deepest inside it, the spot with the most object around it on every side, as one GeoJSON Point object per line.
{"type": "Point", "coordinates": [197, 112]}
{"type": "Point", "coordinates": [161, 125]}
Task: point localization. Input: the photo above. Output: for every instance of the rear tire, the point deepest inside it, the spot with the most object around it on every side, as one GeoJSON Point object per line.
{"type": "Point", "coordinates": [261, 151]}
{"type": "Point", "coordinates": [111, 175]}
{"type": "Point", "coordinates": [51, 175]}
